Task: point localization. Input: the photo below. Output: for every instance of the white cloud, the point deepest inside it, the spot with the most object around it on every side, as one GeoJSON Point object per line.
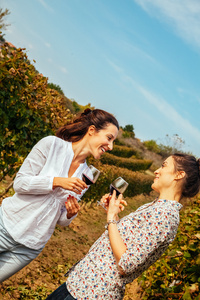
{"type": "Point", "coordinates": [48, 45]}
{"type": "Point", "coordinates": [39, 37]}
{"type": "Point", "coordinates": [114, 66]}
{"type": "Point", "coordinates": [57, 66]}
{"type": "Point", "coordinates": [139, 52]}
{"type": "Point", "coordinates": [191, 96]}
{"type": "Point", "coordinates": [63, 69]}
{"type": "Point", "coordinates": [168, 111]}
{"type": "Point", "coordinates": [161, 105]}
{"type": "Point", "coordinates": [9, 30]}
{"type": "Point", "coordinates": [183, 15]}
{"type": "Point", "coordinates": [46, 6]}
{"type": "Point", "coordinates": [30, 46]}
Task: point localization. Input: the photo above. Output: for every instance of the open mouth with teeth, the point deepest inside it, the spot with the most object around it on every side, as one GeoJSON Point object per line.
{"type": "Point", "coordinates": [103, 149]}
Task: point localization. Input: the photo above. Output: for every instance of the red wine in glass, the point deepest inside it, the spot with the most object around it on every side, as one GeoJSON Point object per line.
{"type": "Point", "coordinates": [87, 180]}
{"type": "Point", "coordinates": [112, 188]}
{"type": "Point", "coordinates": [119, 185]}
{"type": "Point", "coordinates": [90, 175]}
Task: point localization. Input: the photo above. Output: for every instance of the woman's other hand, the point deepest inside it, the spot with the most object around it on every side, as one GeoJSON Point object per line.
{"type": "Point", "coordinates": [115, 206]}
{"type": "Point", "coordinates": [73, 184]}
{"type": "Point", "coordinates": [72, 206]}
{"type": "Point", "coordinates": [106, 201]}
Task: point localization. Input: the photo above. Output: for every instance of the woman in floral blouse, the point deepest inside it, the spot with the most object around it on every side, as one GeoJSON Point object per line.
{"type": "Point", "coordinates": [130, 245]}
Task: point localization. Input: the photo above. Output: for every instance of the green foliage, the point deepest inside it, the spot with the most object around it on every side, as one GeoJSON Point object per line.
{"type": "Point", "coordinates": [26, 292]}
{"type": "Point", "coordinates": [123, 151]}
{"type": "Point", "coordinates": [128, 163]}
{"type": "Point", "coordinates": [55, 87]}
{"type": "Point", "coordinates": [166, 151]}
{"type": "Point", "coordinates": [29, 110]}
{"type": "Point", "coordinates": [76, 107]}
{"type": "Point", "coordinates": [161, 149]}
{"type": "Point", "coordinates": [3, 25]}
{"type": "Point", "coordinates": [172, 144]}
{"type": "Point", "coordinates": [138, 182]}
{"type": "Point", "coordinates": [3, 14]}
{"type": "Point", "coordinates": [151, 145]}
{"type": "Point", "coordinates": [119, 143]}
{"type": "Point", "coordinates": [128, 128]}
{"type": "Point", "coordinates": [175, 141]}
{"type": "Point", "coordinates": [128, 131]}
{"type": "Point", "coordinates": [177, 274]}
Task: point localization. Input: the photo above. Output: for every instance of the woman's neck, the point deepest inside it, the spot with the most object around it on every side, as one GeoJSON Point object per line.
{"type": "Point", "coordinates": [170, 195]}
{"type": "Point", "coordinates": [80, 151]}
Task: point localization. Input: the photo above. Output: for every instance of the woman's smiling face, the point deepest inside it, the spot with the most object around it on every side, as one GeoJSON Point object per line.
{"type": "Point", "coordinates": [165, 175]}
{"type": "Point", "coordinates": [102, 140]}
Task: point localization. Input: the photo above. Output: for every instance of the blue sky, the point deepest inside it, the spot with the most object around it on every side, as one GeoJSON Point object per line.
{"type": "Point", "coordinates": [138, 59]}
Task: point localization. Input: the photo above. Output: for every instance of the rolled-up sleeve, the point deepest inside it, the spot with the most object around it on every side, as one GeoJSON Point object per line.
{"type": "Point", "coordinates": [63, 220]}
{"type": "Point", "coordinates": [147, 242]}
{"type": "Point", "coordinates": [28, 179]}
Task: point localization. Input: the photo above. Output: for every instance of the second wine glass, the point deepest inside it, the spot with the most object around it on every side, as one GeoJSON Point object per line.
{"type": "Point", "coordinates": [119, 185]}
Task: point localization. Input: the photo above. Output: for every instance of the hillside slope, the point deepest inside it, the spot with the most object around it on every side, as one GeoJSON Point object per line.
{"type": "Point", "coordinates": [142, 151]}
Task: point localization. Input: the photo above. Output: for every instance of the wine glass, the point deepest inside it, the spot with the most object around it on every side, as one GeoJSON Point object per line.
{"type": "Point", "coordinates": [119, 185]}
{"type": "Point", "coordinates": [90, 175]}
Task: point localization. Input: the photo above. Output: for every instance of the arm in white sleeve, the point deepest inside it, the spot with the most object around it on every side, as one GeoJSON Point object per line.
{"type": "Point", "coordinates": [28, 179]}
{"type": "Point", "coordinates": [63, 221]}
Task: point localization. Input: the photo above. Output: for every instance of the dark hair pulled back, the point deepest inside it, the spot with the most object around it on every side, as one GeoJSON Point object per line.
{"type": "Point", "coordinates": [191, 167]}
{"type": "Point", "coordinates": [77, 129]}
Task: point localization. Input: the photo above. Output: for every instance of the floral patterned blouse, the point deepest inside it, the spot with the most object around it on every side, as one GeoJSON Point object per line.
{"type": "Point", "coordinates": [147, 233]}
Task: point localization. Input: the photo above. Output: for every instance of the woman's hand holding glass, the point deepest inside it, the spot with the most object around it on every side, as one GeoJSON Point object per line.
{"type": "Point", "coordinates": [112, 204]}
{"type": "Point", "coordinates": [89, 176]}
{"type": "Point", "coordinates": [119, 185]}
{"type": "Point", "coordinates": [72, 184]}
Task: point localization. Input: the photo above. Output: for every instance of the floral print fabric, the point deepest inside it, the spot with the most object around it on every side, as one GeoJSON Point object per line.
{"type": "Point", "coordinates": [147, 233]}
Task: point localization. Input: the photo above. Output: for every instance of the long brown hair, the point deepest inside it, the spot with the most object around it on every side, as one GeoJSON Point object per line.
{"type": "Point", "coordinates": [191, 167]}
{"type": "Point", "coordinates": [77, 129]}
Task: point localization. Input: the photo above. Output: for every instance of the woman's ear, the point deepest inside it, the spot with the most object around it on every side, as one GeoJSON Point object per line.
{"type": "Point", "coordinates": [180, 175]}
{"type": "Point", "coordinates": [91, 130]}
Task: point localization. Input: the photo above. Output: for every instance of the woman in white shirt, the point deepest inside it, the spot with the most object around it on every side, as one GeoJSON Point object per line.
{"type": "Point", "coordinates": [52, 170]}
{"type": "Point", "coordinates": [130, 245]}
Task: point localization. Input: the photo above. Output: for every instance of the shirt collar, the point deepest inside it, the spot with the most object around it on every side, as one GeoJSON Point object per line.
{"type": "Point", "coordinates": [173, 202]}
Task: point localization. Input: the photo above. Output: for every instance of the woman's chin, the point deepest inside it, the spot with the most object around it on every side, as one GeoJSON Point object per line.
{"type": "Point", "coordinates": [97, 156]}
{"type": "Point", "coordinates": [154, 187]}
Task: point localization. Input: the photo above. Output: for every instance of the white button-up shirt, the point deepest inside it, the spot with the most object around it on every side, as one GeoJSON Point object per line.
{"type": "Point", "coordinates": [31, 214]}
